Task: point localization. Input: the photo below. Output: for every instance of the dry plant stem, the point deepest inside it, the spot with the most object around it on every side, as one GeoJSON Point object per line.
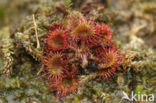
{"type": "Point", "coordinates": [39, 72]}
{"type": "Point", "coordinates": [36, 34]}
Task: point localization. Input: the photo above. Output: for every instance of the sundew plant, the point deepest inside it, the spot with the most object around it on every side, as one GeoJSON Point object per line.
{"type": "Point", "coordinates": [77, 46]}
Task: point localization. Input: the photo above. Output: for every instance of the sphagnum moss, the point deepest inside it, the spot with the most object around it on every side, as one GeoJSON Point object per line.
{"type": "Point", "coordinates": [7, 50]}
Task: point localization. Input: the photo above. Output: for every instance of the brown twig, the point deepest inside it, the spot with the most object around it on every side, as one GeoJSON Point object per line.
{"type": "Point", "coordinates": [35, 25]}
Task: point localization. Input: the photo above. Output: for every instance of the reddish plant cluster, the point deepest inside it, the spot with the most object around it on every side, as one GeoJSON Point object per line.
{"type": "Point", "coordinates": [78, 45]}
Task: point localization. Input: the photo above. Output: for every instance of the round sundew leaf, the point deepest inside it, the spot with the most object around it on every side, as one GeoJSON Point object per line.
{"type": "Point", "coordinates": [83, 30]}
{"type": "Point", "coordinates": [109, 60]}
